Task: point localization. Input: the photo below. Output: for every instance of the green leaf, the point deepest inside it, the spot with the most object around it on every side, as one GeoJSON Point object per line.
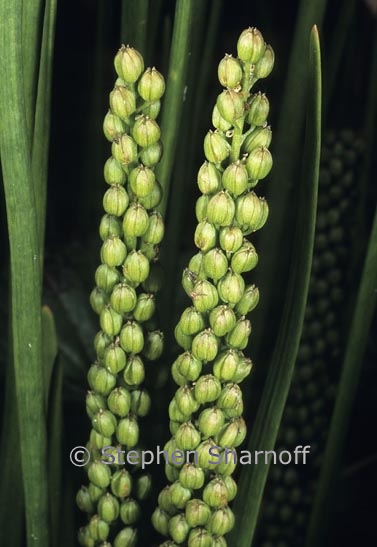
{"type": "Point", "coordinates": [263, 436]}
{"type": "Point", "coordinates": [134, 24]}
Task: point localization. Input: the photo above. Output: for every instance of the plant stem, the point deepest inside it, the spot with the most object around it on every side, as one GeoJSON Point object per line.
{"type": "Point", "coordinates": [134, 24]}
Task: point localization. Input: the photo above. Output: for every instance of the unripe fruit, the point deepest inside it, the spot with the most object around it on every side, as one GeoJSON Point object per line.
{"type": "Point", "coordinates": [211, 421]}
{"type": "Point", "coordinates": [191, 476]}
{"type": "Point", "coordinates": [127, 431]}
{"type": "Point", "coordinates": [231, 105]}
{"type": "Point", "coordinates": [188, 366]}
{"type": "Point", "coordinates": [115, 200]}
{"type": "Point", "coordinates": [113, 126]}
{"type": "Point", "coordinates": [131, 337]}
{"type": "Point", "coordinates": [222, 320]}
{"type": "Point", "coordinates": [215, 493]}
{"type": "Point", "coordinates": [186, 401]}
{"type": "Point", "coordinates": [151, 85]}
{"type": "Point", "coordinates": [153, 109]}
{"type": "Point", "coordinates": [238, 337]}
{"type": "Point", "coordinates": [201, 206]}
{"type": "Point", "coordinates": [113, 172]}
{"type": "Point", "coordinates": [230, 401]}
{"type": "Point", "coordinates": [122, 102]}
{"type": "Point", "coordinates": [98, 299]}
{"type": "Point", "coordinates": [259, 137]}
{"type": "Point", "coordinates": [104, 422]}
{"type": "Point", "coordinates": [121, 483]}
{"type": "Point", "coordinates": [204, 296]}
{"type": "Point", "coordinates": [209, 178]}
{"type": "Point", "coordinates": [106, 277]}
{"type": "Point", "coordinates": [151, 155]}
{"type": "Point", "coordinates": [218, 121]}
{"type": "Point", "coordinates": [205, 345]}
{"type": "Point", "coordinates": [154, 345]}
{"type": "Point", "coordinates": [145, 307]}
{"type": "Point", "coordinates": [179, 495]}
{"type": "Point", "coordinates": [160, 520]}
{"type": "Point", "coordinates": [191, 321]}
{"type": "Point", "coordinates": [259, 108]}
{"type": "Point", "coordinates": [229, 72]}
{"type": "Point", "coordinates": [99, 474]}
{"type": "Point", "coordinates": [153, 199]}
{"type": "Point", "coordinates": [123, 298]}
{"type": "Point", "coordinates": [109, 226]}
{"type": "Point", "coordinates": [249, 300]}
{"type": "Point", "coordinates": [200, 537]}
{"type": "Point", "coordinates": [231, 288]}
{"type": "Point", "coordinates": [265, 65]}
{"type": "Point", "coordinates": [94, 403]}
{"type": "Point", "coordinates": [226, 365]}
{"type": "Point", "coordinates": [183, 340]}
{"type": "Point", "coordinates": [243, 370]}
{"type": "Point", "coordinates": [84, 501]}
{"type": "Point", "coordinates": [232, 434]}
{"type": "Point", "coordinates": [216, 147]}
{"type": "Point", "coordinates": [155, 230]}
{"type": "Point", "coordinates": [110, 321]}
{"type": "Point", "coordinates": [98, 528]}
{"type": "Point", "coordinates": [101, 341]}
{"type": "Point", "coordinates": [197, 512]}
{"type": "Point", "coordinates": [251, 45]}
{"type": "Point", "coordinates": [108, 507]}
{"type": "Point", "coordinates": [136, 267]}
{"type": "Point", "coordinates": [231, 238]}
{"type": "Point", "coordinates": [187, 436]}
{"type": "Point", "coordinates": [207, 389]}
{"type": "Point", "coordinates": [205, 456]}
{"type": "Point", "coordinates": [119, 401]}
{"type": "Point", "coordinates": [124, 150]}
{"type": "Point", "coordinates": [129, 64]}
{"type": "Point", "coordinates": [145, 131]}
{"type": "Point", "coordinates": [221, 521]}
{"type": "Point", "coordinates": [141, 180]}
{"type": "Point", "coordinates": [178, 528]}
{"type": "Point", "coordinates": [130, 511]}
{"type": "Point", "coordinates": [259, 163]}
{"type": "Point", "coordinates": [98, 441]}
{"type": "Point", "coordinates": [135, 220]}
{"type": "Point", "coordinates": [134, 373]}
{"type": "Point", "coordinates": [113, 251]}
{"type": "Point", "coordinates": [126, 538]}
{"type": "Point", "coordinates": [100, 379]}
{"type": "Point", "coordinates": [215, 264]}
{"type": "Point", "coordinates": [140, 402]}
{"type": "Point", "coordinates": [251, 212]}
{"type": "Point", "coordinates": [205, 236]}
{"type": "Point", "coordinates": [95, 492]}
{"type": "Point", "coordinates": [235, 178]}
{"type": "Point", "coordinates": [245, 259]}
{"type": "Point", "coordinates": [221, 209]}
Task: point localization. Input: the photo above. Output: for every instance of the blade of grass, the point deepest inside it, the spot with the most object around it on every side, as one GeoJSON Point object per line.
{"type": "Point", "coordinates": [175, 92]}
{"type": "Point", "coordinates": [15, 146]}
{"type": "Point", "coordinates": [263, 436]}
{"type": "Point", "coordinates": [134, 21]}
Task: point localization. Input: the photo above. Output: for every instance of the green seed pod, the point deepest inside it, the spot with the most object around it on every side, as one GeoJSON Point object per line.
{"type": "Point", "coordinates": [119, 401]}
{"type": "Point", "coordinates": [134, 373]}
{"type": "Point", "coordinates": [196, 265]}
{"type": "Point", "coordinates": [215, 264]}
{"type": "Point", "coordinates": [216, 147]}
{"type": "Point", "coordinates": [197, 512]}
{"type": "Point", "coordinates": [122, 102]}
{"type": "Point", "coordinates": [136, 267]}
{"type": "Point", "coordinates": [101, 341]}
{"type": "Point", "coordinates": [238, 337]}
{"type": "Point", "coordinates": [113, 251]}
{"type": "Point", "coordinates": [155, 230]}
{"type": "Point", "coordinates": [259, 137]}
{"type": "Point", "coordinates": [229, 72]}
{"type": "Point", "coordinates": [191, 476]}
{"type": "Point", "coordinates": [106, 277]}
{"type": "Point", "coordinates": [154, 345]}
{"type": "Point", "coordinates": [209, 178]}
{"type": "Point", "coordinates": [98, 528]}
{"type": "Point", "coordinates": [129, 65]}
{"type": "Point", "coordinates": [230, 401]}
{"type": "Point", "coordinates": [205, 345]}
{"type": "Point", "coordinates": [155, 280]}
{"type": "Point", "coordinates": [204, 296]}
{"type": "Point", "coordinates": [231, 238]}
{"type": "Point", "coordinates": [126, 538]}
{"type": "Point", "coordinates": [149, 250]}
{"type": "Point", "coordinates": [152, 110]}
{"type": "Point", "coordinates": [231, 105]}
{"type": "Point", "coordinates": [130, 511]}
{"type": "Point", "coordinates": [245, 259]}
{"type": "Point", "coordinates": [109, 226]}
{"type": "Point", "coordinates": [188, 366]}
{"type": "Point", "coordinates": [249, 300]}
{"type": "Point", "coordinates": [179, 495]}
{"type": "Point", "coordinates": [219, 122]}
{"type": "Point", "coordinates": [84, 501]}
{"type": "Point", "coordinates": [179, 379]}
{"type": "Point", "coordinates": [200, 537]}
{"type": "Point", "coordinates": [145, 307]}
{"type": "Point", "coordinates": [98, 299]}
{"type": "Point", "coordinates": [114, 358]}
{"type": "Point", "coordinates": [145, 131]}
{"type": "Point", "coordinates": [221, 521]}
{"type": "Point", "coordinates": [160, 521]}
{"type": "Point", "coordinates": [108, 507]}
{"type": "Point", "coordinates": [189, 280]}
{"type": "Point", "coordinates": [191, 321]}
{"type": "Point", "coordinates": [100, 379]}
{"type": "Point", "coordinates": [206, 452]}
{"type": "Point", "coordinates": [259, 163]}
{"type": "Point", "coordinates": [250, 45]}
{"type": "Point", "coordinates": [121, 483]}
{"type": "Point", "coordinates": [225, 365]}
{"type": "Point", "coordinates": [99, 474]}
{"type": "Point", "coordinates": [264, 66]}
{"type": "Point", "coordinates": [98, 441]}
{"type": "Point", "coordinates": [95, 492]}
{"type": "Point", "coordinates": [123, 298]}
{"type": "Point", "coordinates": [127, 431]}
{"type": "Point", "coordinates": [110, 321]}
{"type": "Point", "coordinates": [115, 200]}
{"type": "Point", "coordinates": [185, 400]}
{"type": "Point", "coordinates": [201, 207]}
{"type": "Point", "coordinates": [251, 212]}
{"type": "Point", "coordinates": [94, 403]}
{"type": "Point", "coordinates": [215, 493]}
{"type": "Point", "coordinates": [222, 320]}
{"type": "Point", "coordinates": [178, 528]}
{"type": "Point", "coordinates": [221, 209]}
{"type": "Point", "coordinates": [153, 199]}
{"type": "Point", "coordinates": [172, 472]}
{"type": "Point", "coordinates": [113, 126]}
{"type": "Point", "coordinates": [113, 172]}
{"type": "Point", "coordinates": [175, 414]}
{"type": "Point", "coordinates": [259, 108]}
{"type": "Point", "coordinates": [104, 422]}
{"type": "Point", "coordinates": [232, 434]}
{"type": "Point", "coordinates": [143, 487]}
{"type": "Point", "coordinates": [135, 220]}
{"type": "Point", "coordinates": [235, 178]}
{"type": "Point", "coordinates": [205, 236]}
{"type": "Point", "coordinates": [151, 85]}
{"type": "Point", "coordinates": [211, 421]}
{"type": "Point", "coordinates": [151, 155]}
{"type": "Point", "coordinates": [84, 538]}
{"type": "Point", "coordinates": [207, 389]}
{"type": "Point", "coordinates": [131, 337]}
{"type": "Point", "coordinates": [187, 436]}
{"type": "Point", "coordinates": [124, 150]}
{"type": "Point", "coordinates": [140, 402]}
{"type": "Point", "coordinates": [243, 370]}
{"type": "Point", "coordinates": [141, 180]}
{"type": "Point", "coordinates": [231, 288]}
{"type": "Point", "coordinates": [164, 501]}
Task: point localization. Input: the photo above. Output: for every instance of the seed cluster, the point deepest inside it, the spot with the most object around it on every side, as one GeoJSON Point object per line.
{"type": "Point", "coordinates": [206, 411]}
{"type": "Point", "coordinates": [289, 491]}
{"type": "Point", "coordinates": [124, 298]}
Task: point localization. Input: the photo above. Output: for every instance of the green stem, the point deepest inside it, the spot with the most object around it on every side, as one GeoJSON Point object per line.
{"type": "Point", "coordinates": [134, 24]}
{"type": "Point", "coordinates": [174, 97]}
{"type": "Point", "coordinates": [15, 147]}
{"type": "Point", "coordinates": [264, 434]}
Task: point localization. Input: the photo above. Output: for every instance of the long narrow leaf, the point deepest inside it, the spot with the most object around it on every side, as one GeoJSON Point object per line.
{"type": "Point", "coordinates": [15, 149]}
{"type": "Point", "coordinates": [263, 437]}
{"type": "Point", "coordinates": [134, 24]}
